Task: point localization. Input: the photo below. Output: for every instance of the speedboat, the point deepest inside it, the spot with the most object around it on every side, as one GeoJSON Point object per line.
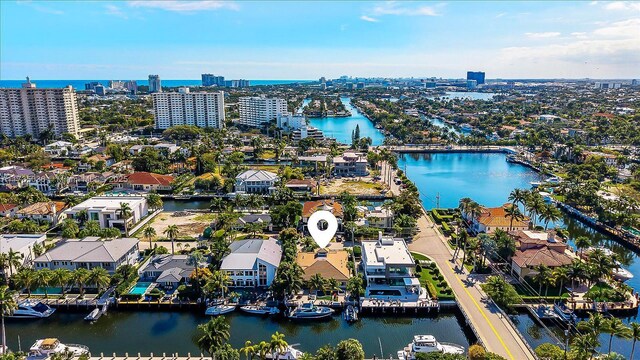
{"type": "Point", "coordinates": [565, 313]}
{"type": "Point", "coordinates": [219, 310]}
{"type": "Point", "coordinates": [45, 348]}
{"type": "Point", "coordinates": [290, 354]}
{"type": "Point", "coordinates": [310, 311]}
{"type": "Point", "coordinates": [621, 274]}
{"type": "Point", "coordinates": [544, 312]}
{"type": "Point", "coordinates": [428, 344]}
{"type": "Point", "coordinates": [32, 309]}
{"type": "Point", "coordinates": [351, 314]}
{"type": "Point", "coordinates": [260, 310]}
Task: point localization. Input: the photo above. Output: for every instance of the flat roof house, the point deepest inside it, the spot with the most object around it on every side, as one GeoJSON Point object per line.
{"type": "Point", "coordinates": [21, 243]}
{"type": "Point", "coordinates": [252, 262]}
{"type": "Point", "coordinates": [106, 210]}
{"type": "Point", "coordinates": [389, 269]}
{"type": "Point", "coordinates": [89, 253]}
{"type": "Point", "coordinates": [350, 164]}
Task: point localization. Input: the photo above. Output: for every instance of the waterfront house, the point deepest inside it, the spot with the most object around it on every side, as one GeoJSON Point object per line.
{"type": "Point", "coordinates": [50, 211]}
{"type": "Point", "coordinates": [256, 182]}
{"type": "Point", "coordinates": [350, 164]}
{"type": "Point", "coordinates": [330, 264]}
{"type": "Point", "coordinates": [58, 148]}
{"type": "Point", "coordinates": [264, 219]}
{"type": "Point", "coordinates": [252, 262]}
{"type": "Point", "coordinates": [88, 181]}
{"type": "Point", "coordinates": [167, 270]}
{"type": "Point", "coordinates": [21, 243]}
{"type": "Point", "coordinates": [389, 269]}
{"type": "Point", "coordinates": [534, 248]}
{"type": "Point", "coordinates": [89, 253]}
{"type": "Point", "coordinates": [490, 219]}
{"type": "Point", "coordinates": [106, 210]}
{"type": "Point", "coordinates": [376, 217]}
{"type": "Point", "coordinates": [146, 181]}
{"type": "Point", "coordinates": [50, 182]}
{"type": "Point", "coordinates": [8, 210]}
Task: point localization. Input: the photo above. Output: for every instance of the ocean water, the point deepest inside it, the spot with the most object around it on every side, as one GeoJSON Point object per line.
{"type": "Point", "coordinates": [79, 84]}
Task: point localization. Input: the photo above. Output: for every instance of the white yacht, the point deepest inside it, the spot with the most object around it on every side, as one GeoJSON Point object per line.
{"type": "Point", "coordinates": [428, 344]}
{"type": "Point", "coordinates": [619, 273]}
{"type": "Point", "coordinates": [45, 348]}
{"type": "Point", "coordinates": [290, 354]}
{"type": "Point", "coordinates": [310, 311]}
{"type": "Point", "coordinates": [32, 309]}
{"type": "Point", "coordinates": [219, 310]}
{"type": "Point", "coordinates": [260, 310]}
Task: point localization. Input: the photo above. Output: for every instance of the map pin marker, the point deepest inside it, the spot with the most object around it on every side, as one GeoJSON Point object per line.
{"type": "Point", "coordinates": [322, 237]}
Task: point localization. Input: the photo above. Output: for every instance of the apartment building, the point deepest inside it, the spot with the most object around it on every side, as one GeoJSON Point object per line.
{"type": "Point", "coordinates": [255, 110]}
{"type": "Point", "coordinates": [202, 109]}
{"type": "Point", "coordinates": [31, 111]}
{"type": "Point", "coordinates": [155, 84]}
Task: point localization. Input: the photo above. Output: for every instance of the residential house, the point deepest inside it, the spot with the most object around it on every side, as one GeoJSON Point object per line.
{"type": "Point", "coordinates": [167, 270]}
{"type": "Point", "coordinates": [14, 177]}
{"type": "Point", "coordinates": [50, 182]}
{"type": "Point", "coordinates": [264, 219]}
{"type": "Point", "coordinates": [106, 210]}
{"type": "Point", "coordinates": [58, 148]}
{"type": "Point", "coordinates": [334, 207]}
{"type": "Point", "coordinates": [145, 181]}
{"type": "Point", "coordinates": [256, 182]}
{"type": "Point", "coordinates": [534, 248]}
{"type": "Point", "coordinates": [50, 212]}
{"type": "Point", "coordinates": [490, 219]}
{"type": "Point", "coordinates": [164, 149]}
{"type": "Point", "coordinates": [609, 159]}
{"type": "Point", "coordinates": [8, 210]}
{"type": "Point", "coordinates": [89, 253]}
{"type": "Point", "coordinates": [301, 186]}
{"type": "Point", "coordinates": [89, 181]}
{"type": "Point", "coordinates": [252, 262]}
{"type": "Point", "coordinates": [350, 164]}
{"type": "Point", "coordinates": [21, 243]}
{"type": "Point", "coordinates": [389, 269]}
{"type": "Point", "coordinates": [375, 216]}
{"type": "Point", "coordinates": [330, 264]}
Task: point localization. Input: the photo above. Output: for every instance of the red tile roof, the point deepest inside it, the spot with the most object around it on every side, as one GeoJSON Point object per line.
{"type": "Point", "coordinates": [312, 206]}
{"type": "Point", "coordinates": [146, 178]}
{"type": "Point", "coordinates": [6, 207]}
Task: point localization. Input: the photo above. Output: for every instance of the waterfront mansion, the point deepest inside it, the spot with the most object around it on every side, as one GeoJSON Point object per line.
{"type": "Point", "coordinates": [106, 210]}
{"type": "Point", "coordinates": [252, 262]}
{"type": "Point", "coordinates": [389, 269]}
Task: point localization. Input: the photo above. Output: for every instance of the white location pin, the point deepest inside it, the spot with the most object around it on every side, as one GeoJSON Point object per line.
{"type": "Point", "coordinates": [322, 237]}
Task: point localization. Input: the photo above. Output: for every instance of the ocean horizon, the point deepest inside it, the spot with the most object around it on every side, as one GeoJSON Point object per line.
{"type": "Point", "coordinates": [79, 84]}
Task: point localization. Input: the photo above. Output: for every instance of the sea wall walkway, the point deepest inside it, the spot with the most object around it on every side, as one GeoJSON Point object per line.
{"type": "Point", "coordinates": [493, 329]}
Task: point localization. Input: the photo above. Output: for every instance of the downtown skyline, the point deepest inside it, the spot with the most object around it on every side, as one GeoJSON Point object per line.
{"type": "Point", "coordinates": [300, 40]}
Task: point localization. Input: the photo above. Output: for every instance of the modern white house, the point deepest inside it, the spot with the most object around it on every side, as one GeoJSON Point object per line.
{"type": "Point", "coordinates": [252, 262]}
{"type": "Point", "coordinates": [256, 182]}
{"type": "Point", "coordinates": [389, 269]}
{"type": "Point", "coordinates": [106, 210]}
{"type": "Point", "coordinates": [350, 164]}
{"type": "Point", "coordinates": [89, 253]}
{"type": "Point", "coordinates": [21, 243]}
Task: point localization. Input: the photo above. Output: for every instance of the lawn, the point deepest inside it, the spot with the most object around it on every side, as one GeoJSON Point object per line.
{"type": "Point", "coordinates": [429, 275]}
{"type": "Point", "coordinates": [553, 293]}
{"type": "Point", "coordinates": [603, 292]}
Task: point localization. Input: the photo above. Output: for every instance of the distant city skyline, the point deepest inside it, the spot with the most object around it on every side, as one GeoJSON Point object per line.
{"type": "Point", "coordinates": [307, 40]}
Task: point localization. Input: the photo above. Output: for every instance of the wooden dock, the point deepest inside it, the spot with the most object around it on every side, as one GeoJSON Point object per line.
{"type": "Point", "coordinates": [371, 305]}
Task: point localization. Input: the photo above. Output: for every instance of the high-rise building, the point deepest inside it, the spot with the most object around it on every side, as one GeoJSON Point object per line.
{"type": "Point", "coordinates": [116, 84]}
{"type": "Point", "coordinates": [30, 111]}
{"type": "Point", "coordinates": [472, 84]}
{"type": "Point", "coordinates": [255, 111]}
{"type": "Point", "coordinates": [91, 86]}
{"type": "Point", "coordinates": [131, 86]}
{"type": "Point", "coordinates": [155, 85]}
{"type": "Point", "coordinates": [212, 80]}
{"type": "Point", "coordinates": [237, 83]}
{"type": "Point", "coordinates": [478, 76]}
{"type": "Point", "coordinates": [100, 90]}
{"type": "Point", "coordinates": [201, 109]}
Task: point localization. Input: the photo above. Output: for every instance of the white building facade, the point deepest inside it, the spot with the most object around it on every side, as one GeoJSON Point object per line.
{"type": "Point", "coordinates": [106, 210]}
{"type": "Point", "coordinates": [255, 111]}
{"type": "Point", "coordinates": [201, 109]}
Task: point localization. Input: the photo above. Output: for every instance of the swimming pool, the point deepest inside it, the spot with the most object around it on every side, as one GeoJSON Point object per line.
{"type": "Point", "coordinates": [50, 291]}
{"type": "Point", "coordinates": [139, 288]}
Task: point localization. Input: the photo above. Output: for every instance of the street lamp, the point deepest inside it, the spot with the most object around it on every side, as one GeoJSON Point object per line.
{"type": "Point", "coordinates": [566, 342]}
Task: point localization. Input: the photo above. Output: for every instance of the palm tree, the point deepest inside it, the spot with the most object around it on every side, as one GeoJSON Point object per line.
{"type": "Point", "coordinates": [172, 233]}
{"type": "Point", "coordinates": [585, 346]}
{"type": "Point", "coordinates": [149, 233]}
{"type": "Point", "coordinates": [25, 279]}
{"type": "Point", "coordinates": [60, 277]}
{"type": "Point", "coordinates": [635, 336]}
{"type": "Point", "coordinates": [154, 201]}
{"type": "Point", "coordinates": [561, 274]}
{"type": "Point", "coordinates": [79, 278]}
{"type": "Point", "coordinates": [277, 345]}
{"type": "Point", "coordinates": [594, 325]}
{"type": "Point", "coordinates": [316, 282]}
{"type": "Point", "coordinates": [195, 259]}
{"type": "Point", "coordinates": [263, 349]}
{"type": "Point", "coordinates": [7, 306]}
{"type": "Point", "coordinates": [615, 327]}
{"type": "Point", "coordinates": [543, 273]}
{"type": "Point", "coordinates": [550, 213]}
{"type": "Point", "coordinates": [43, 279]}
{"type": "Point", "coordinates": [518, 196]}
{"type": "Point", "coordinates": [125, 213]}
{"type": "Point", "coordinates": [248, 349]}
{"type": "Point", "coordinates": [253, 228]}
{"type": "Point", "coordinates": [582, 242]}
{"type": "Point", "coordinates": [217, 204]}
{"type": "Point", "coordinates": [218, 282]}
{"type": "Point", "coordinates": [99, 277]}
{"type": "Point", "coordinates": [215, 334]}
{"type": "Point", "coordinates": [4, 264]}
{"type": "Point", "coordinates": [513, 213]}
{"type": "Point", "coordinates": [14, 260]}
{"type": "Point", "coordinates": [534, 203]}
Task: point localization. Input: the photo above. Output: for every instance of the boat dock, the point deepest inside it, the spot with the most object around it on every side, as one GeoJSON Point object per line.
{"type": "Point", "coordinates": [379, 306]}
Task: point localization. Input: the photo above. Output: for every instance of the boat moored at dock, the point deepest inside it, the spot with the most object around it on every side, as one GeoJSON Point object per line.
{"type": "Point", "coordinates": [46, 348]}
{"type": "Point", "coordinates": [260, 310]}
{"type": "Point", "coordinates": [310, 311]}
{"type": "Point", "coordinates": [428, 344]}
{"type": "Point", "coordinates": [221, 309]}
{"type": "Point", "coordinates": [32, 309]}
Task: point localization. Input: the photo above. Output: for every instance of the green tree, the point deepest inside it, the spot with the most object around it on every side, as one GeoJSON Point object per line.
{"type": "Point", "coordinates": [7, 306]}
{"type": "Point", "coordinates": [149, 233]}
{"type": "Point", "coordinates": [214, 334]}
{"type": "Point", "coordinates": [349, 349]}
{"type": "Point", "coordinates": [584, 346]}
{"type": "Point", "coordinates": [316, 282]}
{"type": "Point", "coordinates": [634, 336]}
{"type": "Point", "coordinates": [70, 229]}
{"type": "Point", "coordinates": [43, 280]}
{"type": "Point", "coordinates": [277, 345]}
{"type": "Point", "coordinates": [125, 213]}
{"type": "Point", "coordinates": [99, 277]}
{"type": "Point", "coordinates": [501, 292]}
{"type": "Point", "coordinates": [548, 351]}
{"type": "Point", "coordinates": [79, 277]}
{"type": "Point", "coordinates": [326, 352]}
{"type": "Point", "coordinates": [615, 327]}
{"type": "Point", "coordinates": [61, 277]}
{"type": "Point", "coordinates": [25, 279]}
{"type": "Point", "coordinates": [154, 201]}
{"type": "Point", "coordinates": [582, 242]}
{"type": "Point", "coordinates": [172, 233]}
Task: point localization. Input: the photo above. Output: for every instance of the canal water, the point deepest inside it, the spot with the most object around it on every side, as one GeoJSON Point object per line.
{"type": "Point", "coordinates": [340, 128]}
{"type": "Point", "coordinates": [171, 332]}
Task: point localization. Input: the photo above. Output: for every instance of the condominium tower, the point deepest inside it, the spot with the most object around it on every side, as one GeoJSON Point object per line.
{"type": "Point", "coordinates": [155, 85]}
{"type": "Point", "coordinates": [201, 109]}
{"type": "Point", "coordinates": [31, 111]}
{"type": "Point", "coordinates": [255, 111]}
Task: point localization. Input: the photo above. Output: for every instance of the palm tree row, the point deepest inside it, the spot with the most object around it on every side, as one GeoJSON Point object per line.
{"type": "Point", "coordinates": [30, 279]}
{"type": "Point", "coordinates": [586, 345]}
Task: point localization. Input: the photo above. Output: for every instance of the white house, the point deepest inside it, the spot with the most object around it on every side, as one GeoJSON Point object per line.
{"type": "Point", "coordinates": [106, 210]}
{"type": "Point", "coordinates": [256, 182]}
{"type": "Point", "coordinates": [350, 164]}
{"type": "Point", "coordinates": [389, 269]}
{"type": "Point", "coordinates": [89, 253]}
{"type": "Point", "coordinates": [21, 243]}
{"type": "Point", "coordinates": [58, 148]}
{"type": "Point", "coordinates": [252, 262]}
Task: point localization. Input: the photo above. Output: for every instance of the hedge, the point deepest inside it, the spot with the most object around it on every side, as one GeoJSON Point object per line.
{"type": "Point", "coordinates": [432, 290]}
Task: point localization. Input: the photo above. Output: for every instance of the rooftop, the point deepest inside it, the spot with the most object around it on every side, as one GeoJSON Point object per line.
{"type": "Point", "coordinates": [90, 249]}
{"type": "Point", "coordinates": [245, 253]}
{"type": "Point", "coordinates": [257, 175]}
{"type": "Point", "coordinates": [386, 251]}
{"type": "Point", "coordinates": [112, 203]}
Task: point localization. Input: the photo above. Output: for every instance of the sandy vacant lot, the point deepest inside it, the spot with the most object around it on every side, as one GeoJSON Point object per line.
{"type": "Point", "coordinates": [190, 225]}
{"type": "Point", "coordinates": [364, 186]}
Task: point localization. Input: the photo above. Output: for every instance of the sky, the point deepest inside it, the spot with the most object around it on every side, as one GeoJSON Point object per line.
{"type": "Point", "coordinates": [306, 40]}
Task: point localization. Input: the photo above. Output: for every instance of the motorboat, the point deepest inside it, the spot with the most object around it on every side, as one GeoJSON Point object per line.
{"type": "Point", "coordinates": [351, 314]}
{"type": "Point", "coordinates": [565, 313]}
{"type": "Point", "coordinates": [290, 354]}
{"type": "Point", "coordinates": [260, 310]}
{"type": "Point", "coordinates": [428, 344]}
{"type": "Point", "coordinates": [618, 272]}
{"type": "Point", "coordinates": [45, 348]}
{"type": "Point", "coordinates": [535, 184]}
{"type": "Point", "coordinates": [310, 311]}
{"type": "Point", "coordinates": [219, 310]}
{"type": "Point", "coordinates": [32, 309]}
{"type": "Point", "coordinates": [544, 312]}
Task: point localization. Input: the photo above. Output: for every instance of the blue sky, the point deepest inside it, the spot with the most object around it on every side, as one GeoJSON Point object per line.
{"type": "Point", "coordinates": [306, 40]}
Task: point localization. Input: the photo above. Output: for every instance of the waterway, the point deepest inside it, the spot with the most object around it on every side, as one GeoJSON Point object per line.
{"type": "Point", "coordinates": [340, 128]}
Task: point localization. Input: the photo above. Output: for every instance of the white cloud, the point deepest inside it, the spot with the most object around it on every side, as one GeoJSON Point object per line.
{"type": "Point", "coordinates": [621, 29]}
{"type": "Point", "coordinates": [368, 18]}
{"type": "Point", "coordinates": [623, 5]}
{"type": "Point", "coordinates": [393, 8]}
{"type": "Point", "coordinates": [115, 11]}
{"type": "Point", "coordinates": [542, 35]}
{"type": "Point", "coordinates": [501, 15]}
{"type": "Point", "coordinates": [40, 8]}
{"type": "Point", "coordinates": [185, 6]}
{"type": "Point", "coordinates": [579, 35]}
